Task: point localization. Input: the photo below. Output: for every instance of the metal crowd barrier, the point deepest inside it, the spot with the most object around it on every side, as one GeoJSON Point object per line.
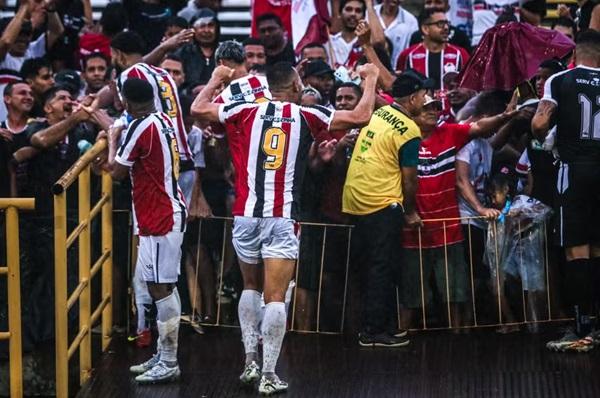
{"type": "Point", "coordinates": [474, 322]}
{"type": "Point", "coordinates": [12, 272]}
{"type": "Point", "coordinates": [80, 172]}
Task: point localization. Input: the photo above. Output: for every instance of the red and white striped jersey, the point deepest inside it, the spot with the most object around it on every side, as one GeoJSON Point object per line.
{"type": "Point", "coordinates": [166, 99]}
{"type": "Point", "coordinates": [150, 150]}
{"type": "Point", "coordinates": [269, 145]}
{"type": "Point", "coordinates": [249, 88]}
{"type": "Point", "coordinates": [433, 65]}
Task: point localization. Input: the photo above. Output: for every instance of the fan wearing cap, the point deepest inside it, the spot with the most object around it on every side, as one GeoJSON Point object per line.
{"type": "Point", "coordinates": [16, 43]}
{"type": "Point", "coordinates": [199, 55]}
{"type": "Point", "coordinates": [439, 242]}
{"type": "Point", "coordinates": [379, 195]}
{"type": "Point", "coordinates": [149, 155]}
{"type": "Point", "coordinates": [319, 75]}
{"type": "Point", "coordinates": [70, 80]}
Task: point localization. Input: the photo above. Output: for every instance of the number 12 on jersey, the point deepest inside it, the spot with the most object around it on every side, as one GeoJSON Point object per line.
{"type": "Point", "coordinates": [590, 124]}
{"type": "Point", "coordinates": [273, 145]}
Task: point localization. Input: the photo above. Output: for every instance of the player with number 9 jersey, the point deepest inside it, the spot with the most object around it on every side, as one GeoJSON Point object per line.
{"type": "Point", "coordinates": [270, 143]}
{"type": "Point", "coordinates": [166, 99]}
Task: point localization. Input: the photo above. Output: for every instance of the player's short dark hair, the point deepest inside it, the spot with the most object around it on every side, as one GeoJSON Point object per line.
{"type": "Point", "coordinates": [114, 19]}
{"type": "Point", "coordinates": [566, 22]}
{"type": "Point", "coordinates": [588, 43]}
{"type": "Point", "coordinates": [32, 67]}
{"type": "Point", "coordinates": [230, 50]}
{"type": "Point", "coordinates": [129, 42]}
{"type": "Point", "coordinates": [52, 92]}
{"type": "Point", "coordinates": [137, 91]}
{"type": "Point", "coordinates": [252, 41]}
{"type": "Point", "coordinates": [269, 17]}
{"type": "Point", "coordinates": [96, 54]}
{"type": "Point", "coordinates": [179, 22]}
{"type": "Point", "coordinates": [343, 4]}
{"type": "Point", "coordinates": [280, 75]}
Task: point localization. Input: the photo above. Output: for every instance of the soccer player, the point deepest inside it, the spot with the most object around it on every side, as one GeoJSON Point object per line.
{"type": "Point", "coordinates": [127, 49]}
{"type": "Point", "coordinates": [572, 98]}
{"type": "Point", "coordinates": [149, 154]}
{"type": "Point", "coordinates": [270, 147]}
{"type": "Point", "coordinates": [243, 87]}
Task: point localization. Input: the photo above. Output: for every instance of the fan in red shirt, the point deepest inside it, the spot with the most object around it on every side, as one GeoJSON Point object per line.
{"type": "Point", "coordinates": [439, 243]}
{"type": "Point", "coordinates": [434, 57]}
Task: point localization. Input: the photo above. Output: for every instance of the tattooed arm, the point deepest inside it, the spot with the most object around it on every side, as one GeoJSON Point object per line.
{"type": "Point", "coordinates": [542, 118]}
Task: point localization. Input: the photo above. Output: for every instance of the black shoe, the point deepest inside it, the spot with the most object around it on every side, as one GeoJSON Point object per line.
{"type": "Point", "coordinates": [381, 340]}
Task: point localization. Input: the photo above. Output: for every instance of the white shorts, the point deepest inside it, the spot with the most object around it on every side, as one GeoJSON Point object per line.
{"type": "Point", "coordinates": [159, 257]}
{"type": "Point", "coordinates": [256, 238]}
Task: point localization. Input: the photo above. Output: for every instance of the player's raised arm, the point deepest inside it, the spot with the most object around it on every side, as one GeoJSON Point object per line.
{"type": "Point", "coordinates": [202, 107]}
{"type": "Point", "coordinates": [359, 116]}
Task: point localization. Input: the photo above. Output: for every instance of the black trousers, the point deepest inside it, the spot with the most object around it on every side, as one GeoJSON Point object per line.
{"type": "Point", "coordinates": [376, 244]}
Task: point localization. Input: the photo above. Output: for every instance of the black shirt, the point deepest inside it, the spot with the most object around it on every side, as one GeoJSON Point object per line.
{"type": "Point", "coordinates": [71, 14]}
{"type": "Point", "coordinates": [286, 55]}
{"type": "Point", "coordinates": [49, 165]}
{"type": "Point", "coordinates": [576, 93]}
{"type": "Point", "coordinates": [5, 157]}
{"type": "Point", "coordinates": [19, 141]}
{"type": "Point", "coordinates": [456, 37]}
{"type": "Point", "coordinates": [196, 66]}
{"type": "Point", "coordinates": [583, 16]}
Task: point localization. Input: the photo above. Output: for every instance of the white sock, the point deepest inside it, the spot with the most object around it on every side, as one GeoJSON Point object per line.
{"type": "Point", "coordinates": [288, 296]}
{"type": "Point", "coordinates": [143, 300]}
{"type": "Point", "coordinates": [169, 313]}
{"type": "Point", "coordinates": [273, 330]}
{"type": "Point", "coordinates": [249, 316]}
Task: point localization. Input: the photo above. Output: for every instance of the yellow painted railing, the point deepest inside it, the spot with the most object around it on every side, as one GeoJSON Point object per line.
{"type": "Point", "coordinates": [12, 271]}
{"type": "Point", "coordinates": [80, 172]}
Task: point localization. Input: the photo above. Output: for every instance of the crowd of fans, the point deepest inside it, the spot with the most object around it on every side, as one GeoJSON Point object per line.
{"type": "Point", "coordinates": [474, 152]}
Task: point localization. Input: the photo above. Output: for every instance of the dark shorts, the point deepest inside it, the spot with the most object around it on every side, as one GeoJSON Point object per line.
{"type": "Point", "coordinates": [434, 264]}
{"type": "Point", "coordinates": [578, 205]}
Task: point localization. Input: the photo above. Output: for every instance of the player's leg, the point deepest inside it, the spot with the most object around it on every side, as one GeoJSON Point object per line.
{"type": "Point", "coordinates": [144, 271]}
{"type": "Point", "coordinates": [279, 251]}
{"type": "Point", "coordinates": [574, 215]}
{"type": "Point", "coordinates": [278, 274]}
{"type": "Point", "coordinates": [144, 305]}
{"type": "Point", "coordinates": [166, 258]}
{"type": "Point", "coordinates": [246, 242]}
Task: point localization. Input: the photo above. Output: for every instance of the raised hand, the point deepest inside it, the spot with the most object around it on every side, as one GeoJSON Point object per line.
{"type": "Point", "coordinates": [368, 70]}
{"type": "Point", "coordinates": [222, 73]}
{"type": "Point", "coordinates": [363, 33]}
{"type": "Point", "coordinates": [178, 40]}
